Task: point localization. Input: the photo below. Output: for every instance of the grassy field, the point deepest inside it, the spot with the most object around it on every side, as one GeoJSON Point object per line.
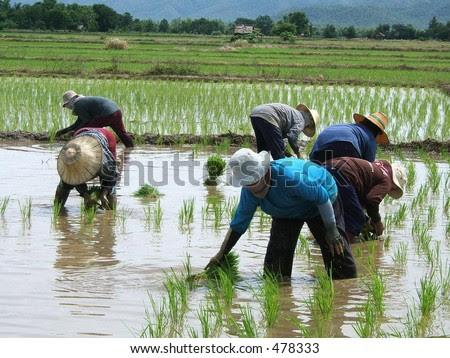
{"type": "Point", "coordinates": [368, 62]}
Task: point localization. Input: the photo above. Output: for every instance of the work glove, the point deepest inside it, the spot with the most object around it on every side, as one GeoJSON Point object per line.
{"type": "Point", "coordinates": [335, 240]}
{"type": "Point", "coordinates": [379, 228]}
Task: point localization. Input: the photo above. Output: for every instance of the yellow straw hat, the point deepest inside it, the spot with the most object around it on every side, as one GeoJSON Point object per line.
{"type": "Point", "coordinates": [380, 120]}
{"type": "Point", "coordinates": [80, 160]}
{"type": "Point", "coordinates": [314, 115]}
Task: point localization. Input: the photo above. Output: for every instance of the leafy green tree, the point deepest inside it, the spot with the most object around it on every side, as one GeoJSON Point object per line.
{"type": "Point", "coordinates": [403, 32]}
{"type": "Point", "coordinates": [107, 18]}
{"type": "Point", "coordinates": [300, 21]}
{"type": "Point", "coordinates": [383, 28]}
{"type": "Point", "coordinates": [264, 24]}
{"type": "Point", "coordinates": [163, 26]}
{"type": "Point", "coordinates": [329, 32]}
{"type": "Point", "coordinates": [283, 26]}
{"type": "Point", "coordinates": [349, 32]}
{"type": "Point", "coordinates": [59, 19]}
{"type": "Point", "coordinates": [245, 21]}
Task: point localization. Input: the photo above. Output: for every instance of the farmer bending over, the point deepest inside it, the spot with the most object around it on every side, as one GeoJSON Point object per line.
{"type": "Point", "coordinates": [275, 121]}
{"type": "Point", "coordinates": [357, 140]}
{"type": "Point", "coordinates": [95, 112]}
{"type": "Point", "coordinates": [293, 192]}
{"type": "Point", "coordinates": [90, 154]}
{"type": "Point", "coordinates": [364, 185]}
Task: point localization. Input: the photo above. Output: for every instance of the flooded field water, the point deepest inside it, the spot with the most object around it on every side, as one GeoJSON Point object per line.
{"type": "Point", "coordinates": [63, 277]}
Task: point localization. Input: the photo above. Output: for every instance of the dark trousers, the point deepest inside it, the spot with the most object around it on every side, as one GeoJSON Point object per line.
{"type": "Point", "coordinates": [354, 216]}
{"type": "Point", "coordinates": [114, 121]}
{"type": "Point", "coordinates": [82, 188]}
{"type": "Point", "coordinates": [268, 137]}
{"type": "Point", "coordinates": [335, 150]}
{"type": "Point", "coordinates": [283, 240]}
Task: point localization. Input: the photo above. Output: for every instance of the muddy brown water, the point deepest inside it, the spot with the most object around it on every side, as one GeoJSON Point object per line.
{"type": "Point", "coordinates": [64, 277]}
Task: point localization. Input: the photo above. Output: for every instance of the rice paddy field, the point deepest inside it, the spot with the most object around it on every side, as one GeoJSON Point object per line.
{"type": "Point", "coordinates": [128, 272]}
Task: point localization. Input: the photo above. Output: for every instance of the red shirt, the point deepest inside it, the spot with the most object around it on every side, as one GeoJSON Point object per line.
{"type": "Point", "coordinates": [109, 137]}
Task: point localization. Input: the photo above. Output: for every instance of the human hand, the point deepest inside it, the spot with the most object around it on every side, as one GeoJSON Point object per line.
{"type": "Point", "coordinates": [104, 199]}
{"type": "Point", "coordinates": [59, 133]}
{"type": "Point", "coordinates": [215, 260]}
{"type": "Point", "coordinates": [379, 228]}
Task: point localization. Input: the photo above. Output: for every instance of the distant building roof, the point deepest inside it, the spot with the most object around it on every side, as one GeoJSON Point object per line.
{"type": "Point", "coordinates": [243, 29]}
{"type": "Point", "coordinates": [80, 27]}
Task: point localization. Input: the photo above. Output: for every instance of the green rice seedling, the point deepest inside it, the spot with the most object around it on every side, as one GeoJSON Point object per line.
{"type": "Point", "coordinates": [216, 301]}
{"type": "Point", "coordinates": [387, 242]}
{"type": "Point", "coordinates": [89, 214]}
{"type": "Point", "coordinates": [148, 214]}
{"type": "Point", "coordinates": [321, 302]}
{"type": "Point", "coordinates": [147, 191]}
{"type": "Point", "coordinates": [186, 213]}
{"type": "Point", "coordinates": [400, 215]}
{"type": "Point", "coordinates": [427, 293]}
{"type": "Point", "coordinates": [269, 297]}
{"type": "Point", "coordinates": [248, 327]}
{"type": "Point", "coordinates": [157, 216]}
{"type": "Point", "coordinates": [357, 252]}
{"type": "Point", "coordinates": [431, 217]}
{"type": "Point", "coordinates": [377, 287]}
{"type": "Point", "coordinates": [3, 205]}
{"type": "Point", "coordinates": [223, 146]}
{"type": "Point", "coordinates": [446, 206]}
{"type": "Point", "coordinates": [25, 210]}
{"type": "Point", "coordinates": [215, 167]}
{"type": "Point", "coordinates": [57, 206]}
{"type": "Point", "coordinates": [206, 318]}
{"type": "Point", "coordinates": [177, 293]}
{"type": "Point", "coordinates": [304, 247]}
{"type": "Point", "coordinates": [444, 282]}
{"type": "Point", "coordinates": [400, 254]}
{"type": "Point", "coordinates": [192, 332]}
{"type": "Point", "coordinates": [366, 324]}
{"type": "Point", "coordinates": [434, 179]}
{"type": "Point", "coordinates": [157, 328]}
{"type": "Point", "coordinates": [433, 255]}
{"type": "Point", "coordinates": [123, 215]}
{"type": "Point", "coordinates": [226, 287]}
{"type": "Point", "coordinates": [411, 176]}
{"type": "Point", "coordinates": [299, 325]}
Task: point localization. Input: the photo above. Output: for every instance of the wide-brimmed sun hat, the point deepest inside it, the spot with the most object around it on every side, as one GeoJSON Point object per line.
{"type": "Point", "coordinates": [399, 178]}
{"type": "Point", "coordinates": [248, 167]}
{"type": "Point", "coordinates": [380, 120]}
{"type": "Point", "coordinates": [315, 119]}
{"type": "Point", "coordinates": [80, 160]}
{"type": "Point", "coordinates": [68, 96]}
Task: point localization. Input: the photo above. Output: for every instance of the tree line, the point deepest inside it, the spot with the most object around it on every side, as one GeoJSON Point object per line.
{"type": "Point", "coordinates": [51, 15]}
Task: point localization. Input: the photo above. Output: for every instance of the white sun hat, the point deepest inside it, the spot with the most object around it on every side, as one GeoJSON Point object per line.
{"type": "Point", "coordinates": [315, 120]}
{"type": "Point", "coordinates": [248, 167]}
{"type": "Point", "coordinates": [80, 160]}
{"type": "Point", "coordinates": [68, 96]}
{"type": "Point", "coordinates": [399, 178]}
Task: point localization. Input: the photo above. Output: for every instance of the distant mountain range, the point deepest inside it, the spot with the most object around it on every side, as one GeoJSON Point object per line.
{"type": "Point", "coordinates": [361, 13]}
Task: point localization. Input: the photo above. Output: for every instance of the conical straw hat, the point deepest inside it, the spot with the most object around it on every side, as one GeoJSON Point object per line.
{"type": "Point", "coordinates": [314, 115]}
{"type": "Point", "coordinates": [80, 160]}
{"type": "Point", "coordinates": [380, 120]}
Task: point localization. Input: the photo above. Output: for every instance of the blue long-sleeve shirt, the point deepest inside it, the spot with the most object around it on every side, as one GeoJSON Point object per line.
{"type": "Point", "coordinates": [362, 139]}
{"type": "Point", "coordinates": [297, 187]}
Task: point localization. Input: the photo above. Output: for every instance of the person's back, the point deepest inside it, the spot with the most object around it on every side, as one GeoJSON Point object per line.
{"type": "Point", "coordinates": [94, 106]}
{"type": "Point", "coordinates": [354, 140]}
